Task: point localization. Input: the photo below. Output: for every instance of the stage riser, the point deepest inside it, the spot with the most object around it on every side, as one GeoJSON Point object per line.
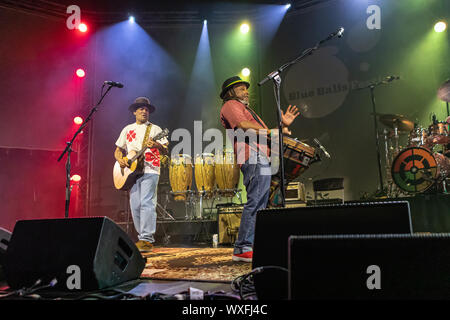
{"type": "Point", "coordinates": [429, 212]}
{"type": "Point", "coordinates": [181, 232]}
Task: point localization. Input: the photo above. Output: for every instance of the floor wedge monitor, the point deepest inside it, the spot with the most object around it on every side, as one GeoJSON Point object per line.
{"type": "Point", "coordinates": [80, 253]}
{"type": "Point", "coordinates": [397, 266]}
{"type": "Point", "coordinates": [275, 226]}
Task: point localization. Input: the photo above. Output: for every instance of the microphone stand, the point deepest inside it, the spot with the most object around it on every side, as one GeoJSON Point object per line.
{"type": "Point", "coordinates": [381, 190]}
{"type": "Point", "coordinates": [275, 76]}
{"type": "Point", "coordinates": [69, 150]}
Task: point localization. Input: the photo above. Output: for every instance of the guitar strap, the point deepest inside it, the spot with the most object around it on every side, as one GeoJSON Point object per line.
{"type": "Point", "coordinates": [255, 116]}
{"type": "Point", "coordinates": [144, 143]}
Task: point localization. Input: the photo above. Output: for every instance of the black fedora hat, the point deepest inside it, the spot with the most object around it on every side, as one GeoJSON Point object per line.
{"type": "Point", "coordinates": [230, 82]}
{"type": "Point", "coordinates": [141, 102]}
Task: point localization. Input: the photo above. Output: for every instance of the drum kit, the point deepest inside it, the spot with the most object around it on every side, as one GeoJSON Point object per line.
{"type": "Point", "coordinates": [215, 176]}
{"type": "Point", "coordinates": [424, 164]}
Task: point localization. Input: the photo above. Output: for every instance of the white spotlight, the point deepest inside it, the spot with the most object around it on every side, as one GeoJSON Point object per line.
{"type": "Point", "coordinates": [131, 19]}
{"type": "Point", "coordinates": [287, 6]}
{"type": "Point", "coordinates": [245, 72]}
{"type": "Point", "coordinates": [205, 21]}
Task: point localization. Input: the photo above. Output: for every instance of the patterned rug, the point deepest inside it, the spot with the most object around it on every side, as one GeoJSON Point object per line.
{"type": "Point", "coordinates": [195, 264]}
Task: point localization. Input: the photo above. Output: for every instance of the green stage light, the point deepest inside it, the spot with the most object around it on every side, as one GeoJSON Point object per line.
{"type": "Point", "coordinates": [440, 26]}
{"type": "Point", "coordinates": [245, 28]}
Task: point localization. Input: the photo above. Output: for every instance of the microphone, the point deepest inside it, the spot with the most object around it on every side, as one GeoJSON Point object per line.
{"type": "Point", "coordinates": [114, 84]}
{"type": "Point", "coordinates": [392, 78]}
{"type": "Point", "coordinates": [338, 33]}
{"type": "Point", "coordinates": [322, 148]}
{"type": "Point", "coordinates": [434, 119]}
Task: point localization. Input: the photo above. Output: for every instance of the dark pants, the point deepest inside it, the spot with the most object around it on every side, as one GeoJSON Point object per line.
{"type": "Point", "coordinates": [257, 179]}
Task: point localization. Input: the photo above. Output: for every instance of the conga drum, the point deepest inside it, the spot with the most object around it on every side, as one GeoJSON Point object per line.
{"type": "Point", "coordinates": [180, 176]}
{"type": "Point", "coordinates": [204, 173]}
{"type": "Point", "coordinates": [227, 172]}
{"type": "Point", "coordinates": [297, 158]}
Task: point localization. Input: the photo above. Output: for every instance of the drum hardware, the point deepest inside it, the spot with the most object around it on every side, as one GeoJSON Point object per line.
{"type": "Point", "coordinates": [162, 211]}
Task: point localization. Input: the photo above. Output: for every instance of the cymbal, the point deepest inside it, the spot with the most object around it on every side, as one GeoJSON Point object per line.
{"type": "Point", "coordinates": [444, 91]}
{"type": "Point", "coordinates": [396, 120]}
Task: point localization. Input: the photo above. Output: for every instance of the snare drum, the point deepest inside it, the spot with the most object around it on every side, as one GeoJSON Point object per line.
{"type": "Point", "coordinates": [204, 173]}
{"type": "Point", "coordinates": [417, 137]}
{"type": "Point", "coordinates": [226, 172]}
{"type": "Point", "coordinates": [180, 176]}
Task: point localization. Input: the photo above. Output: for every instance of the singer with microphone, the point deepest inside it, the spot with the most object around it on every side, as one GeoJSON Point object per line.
{"type": "Point", "coordinates": [237, 116]}
{"type": "Point", "coordinates": [134, 138]}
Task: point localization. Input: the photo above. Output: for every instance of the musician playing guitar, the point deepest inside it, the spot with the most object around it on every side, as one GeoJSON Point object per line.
{"type": "Point", "coordinates": [135, 137]}
{"type": "Point", "coordinates": [236, 114]}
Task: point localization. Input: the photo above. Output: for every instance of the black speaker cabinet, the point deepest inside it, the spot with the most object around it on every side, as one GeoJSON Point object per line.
{"type": "Point", "coordinates": [5, 236]}
{"type": "Point", "coordinates": [93, 252]}
{"type": "Point", "coordinates": [275, 226]}
{"type": "Point", "coordinates": [397, 266]}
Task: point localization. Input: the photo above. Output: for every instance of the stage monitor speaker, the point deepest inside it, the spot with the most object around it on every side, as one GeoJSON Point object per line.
{"type": "Point", "coordinates": [5, 236]}
{"type": "Point", "coordinates": [274, 227]}
{"type": "Point", "coordinates": [83, 254]}
{"type": "Point", "coordinates": [396, 266]}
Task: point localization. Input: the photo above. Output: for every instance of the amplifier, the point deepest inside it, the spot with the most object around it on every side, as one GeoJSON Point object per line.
{"type": "Point", "coordinates": [229, 219]}
{"type": "Point", "coordinates": [295, 191]}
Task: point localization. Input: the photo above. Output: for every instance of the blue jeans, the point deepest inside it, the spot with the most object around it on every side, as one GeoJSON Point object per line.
{"type": "Point", "coordinates": [143, 206]}
{"type": "Point", "coordinates": [257, 183]}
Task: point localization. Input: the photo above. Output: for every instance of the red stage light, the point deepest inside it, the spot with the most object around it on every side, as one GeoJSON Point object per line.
{"type": "Point", "coordinates": [82, 27]}
{"type": "Point", "coordinates": [80, 73]}
{"type": "Point", "coordinates": [75, 178]}
{"type": "Point", "coordinates": [78, 120]}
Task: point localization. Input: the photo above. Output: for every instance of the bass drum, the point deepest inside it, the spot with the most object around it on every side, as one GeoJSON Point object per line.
{"type": "Point", "coordinates": [180, 176]}
{"type": "Point", "coordinates": [415, 170]}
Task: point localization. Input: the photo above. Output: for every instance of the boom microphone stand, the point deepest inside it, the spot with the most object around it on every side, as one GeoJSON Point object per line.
{"type": "Point", "coordinates": [275, 76]}
{"type": "Point", "coordinates": [68, 149]}
{"type": "Point", "coordinates": [372, 87]}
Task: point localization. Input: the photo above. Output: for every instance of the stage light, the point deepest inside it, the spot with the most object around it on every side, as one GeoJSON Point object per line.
{"type": "Point", "coordinates": [245, 72]}
{"type": "Point", "coordinates": [82, 27]}
{"type": "Point", "coordinates": [287, 6]}
{"type": "Point", "coordinates": [440, 26]}
{"type": "Point", "coordinates": [205, 21]}
{"type": "Point", "coordinates": [80, 73]}
{"type": "Point", "coordinates": [245, 28]}
{"type": "Point", "coordinates": [78, 120]}
{"type": "Point", "coordinates": [131, 19]}
{"type": "Point", "coordinates": [75, 178]}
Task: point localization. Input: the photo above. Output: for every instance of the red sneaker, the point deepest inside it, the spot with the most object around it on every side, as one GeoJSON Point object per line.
{"type": "Point", "coordinates": [244, 257]}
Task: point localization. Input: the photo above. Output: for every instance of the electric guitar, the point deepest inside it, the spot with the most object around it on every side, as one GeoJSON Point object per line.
{"type": "Point", "coordinates": [124, 178]}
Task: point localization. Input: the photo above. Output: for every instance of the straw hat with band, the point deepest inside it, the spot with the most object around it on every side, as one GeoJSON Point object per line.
{"type": "Point", "coordinates": [230, 82]}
